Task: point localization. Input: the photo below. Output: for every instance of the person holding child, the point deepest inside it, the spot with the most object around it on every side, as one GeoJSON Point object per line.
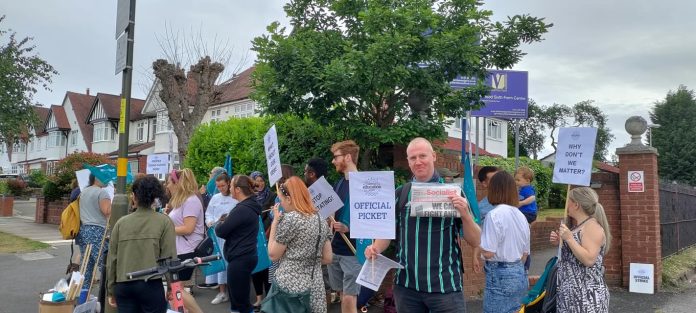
{"type": "Point", "coordinates": [504, 245]}
{"type": "Point", "coordinates": [528, 206]}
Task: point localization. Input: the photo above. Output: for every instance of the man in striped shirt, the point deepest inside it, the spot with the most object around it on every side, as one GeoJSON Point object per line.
{"type": "Point", "coordinates": [431, 280]}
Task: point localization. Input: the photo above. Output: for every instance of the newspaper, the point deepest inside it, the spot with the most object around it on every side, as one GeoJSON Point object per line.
{"type": "Point", "coordinates": [432, 200]}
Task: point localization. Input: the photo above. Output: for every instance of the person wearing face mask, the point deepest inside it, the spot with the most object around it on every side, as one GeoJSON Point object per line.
{"type": "Point", "coordinates": [240, 229]}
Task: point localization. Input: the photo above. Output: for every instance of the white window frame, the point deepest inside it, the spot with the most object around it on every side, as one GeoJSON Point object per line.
{"type": "Point", "coordinates": [494, 130]}
{"type": "Point", "coordinates": [164, 125]}
{"type": "Point", "coordinates": [56, 139]}
{"type": "Point", "coordinates": [140, 131]}
{"type": "Point", "coordinates": [103, 131]}
{"type": "Point", "coordinates": [73, 137]}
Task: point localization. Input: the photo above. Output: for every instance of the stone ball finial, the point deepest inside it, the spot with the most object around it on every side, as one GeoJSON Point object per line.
{"type": "Point", "coordinates": [636, 127]}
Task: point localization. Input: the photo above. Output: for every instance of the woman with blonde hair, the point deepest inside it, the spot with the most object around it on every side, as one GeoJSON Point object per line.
{"type": "Point", "coordinates": [299, 239]}
{"type": "Point", "coordinates": [581, 285]}
{"type": "Point", "coordinates": [187, 215]}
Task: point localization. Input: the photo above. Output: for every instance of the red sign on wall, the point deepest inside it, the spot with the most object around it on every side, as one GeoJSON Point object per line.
{"type": "Point", "coordinates": [636, 181]}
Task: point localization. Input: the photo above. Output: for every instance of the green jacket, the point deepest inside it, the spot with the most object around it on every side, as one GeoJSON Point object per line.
{"type": "Point", "coordinates": [137, 241]}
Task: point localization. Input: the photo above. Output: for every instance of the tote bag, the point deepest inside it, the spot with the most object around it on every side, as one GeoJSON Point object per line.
{"type": "Point", "coordinates": [262, 249]}
{"type": "Point", "coordinates": [216, 266]}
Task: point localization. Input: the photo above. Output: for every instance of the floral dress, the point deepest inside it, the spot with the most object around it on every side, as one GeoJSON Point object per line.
{"type": "Point", "coordinates": [581, 289]}
{"type": "Point", "coordinates": [299, 233]}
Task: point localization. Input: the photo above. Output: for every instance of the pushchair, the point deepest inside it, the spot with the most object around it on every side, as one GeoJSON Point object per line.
{"type": "Point", "coordinates": [542, 297]}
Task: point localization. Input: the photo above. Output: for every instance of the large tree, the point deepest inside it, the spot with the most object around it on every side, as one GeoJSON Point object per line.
{"type": "Point", "coordinates": [22, 72]}
{"type": "Point", "coordinates": [584, 113]}
{"type": "Point", "coordinates": [531, 130]}
{"type": "Point", "coordinates": [381, 69]}
{"type": "Point", "coordinates": [675, 139]}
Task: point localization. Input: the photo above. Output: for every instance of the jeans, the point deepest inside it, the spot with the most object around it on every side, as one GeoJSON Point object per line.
{"type": "Point", "coordinates": [506, 286]}
{"type": "Point", "coordinates": [412, 301]}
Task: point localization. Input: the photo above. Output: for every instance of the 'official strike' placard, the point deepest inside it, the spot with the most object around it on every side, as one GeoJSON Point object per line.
{"type": "Point", "coordinates": [432, 199]}
{"type": "Point", "coordinates": [270, 145]}
{"type": "Point", "coordinates": [576, 146]}
{"type": "Point", "coordinates": [372, 205]}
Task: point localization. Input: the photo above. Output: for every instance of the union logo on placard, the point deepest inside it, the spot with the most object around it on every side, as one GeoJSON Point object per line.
{"type": "Point", "coordinates": [371, 186]}
{"type": "Point", "coordinates": [575, 135]}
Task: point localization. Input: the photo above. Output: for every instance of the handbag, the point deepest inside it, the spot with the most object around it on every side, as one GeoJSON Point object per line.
{"type": "Point", "coordinates": [279, 300]}
{"type": "Point", "coordinates": [204, 248]}
{"type": "Point", "coordinates": [216, 266]}
{"type": "Point", "coordinates": [264, 261]}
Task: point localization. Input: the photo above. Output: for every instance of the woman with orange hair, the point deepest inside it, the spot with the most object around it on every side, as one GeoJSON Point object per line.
{"type": "Point", "coordinates": [299, 239]}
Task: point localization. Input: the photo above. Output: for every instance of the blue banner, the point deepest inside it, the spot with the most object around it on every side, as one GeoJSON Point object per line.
{"type": "Point", "coordinates": [469, 185]}
{"type": "Point", "coordinates": [508, 97]}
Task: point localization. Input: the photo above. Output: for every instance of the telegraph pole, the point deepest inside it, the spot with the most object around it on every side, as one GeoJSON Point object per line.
{"type": "Point", "coordinates": [125, 21]}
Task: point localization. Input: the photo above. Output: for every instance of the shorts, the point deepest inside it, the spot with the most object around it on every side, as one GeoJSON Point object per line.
{"type": "Point", "coordinates": [343, 271]}
{"type": "Point", "coordinates": [185, 274]}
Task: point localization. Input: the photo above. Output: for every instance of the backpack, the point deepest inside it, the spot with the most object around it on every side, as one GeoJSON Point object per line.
{"type": "Point", "coordinates": [70, 220]}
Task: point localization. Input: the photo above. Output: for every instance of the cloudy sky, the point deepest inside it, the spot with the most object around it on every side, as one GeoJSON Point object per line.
{"type": "Point", "coordinates": [624, 55]}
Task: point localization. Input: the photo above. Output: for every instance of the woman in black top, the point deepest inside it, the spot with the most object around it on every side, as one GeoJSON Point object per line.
{"type": "Point", "coordinates": [239, 230]}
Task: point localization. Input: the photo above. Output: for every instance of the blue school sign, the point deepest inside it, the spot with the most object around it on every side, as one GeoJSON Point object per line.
{"type": "Point", "coordinates": [507, 98]}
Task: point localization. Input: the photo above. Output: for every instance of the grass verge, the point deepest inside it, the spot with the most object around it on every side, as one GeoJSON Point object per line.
{"type": "Point", "coordinates": [677, 268]}
{"type": "Point", "coordinates": [544, 213]}
{"type": "Point", "coordinates": [12, 244]}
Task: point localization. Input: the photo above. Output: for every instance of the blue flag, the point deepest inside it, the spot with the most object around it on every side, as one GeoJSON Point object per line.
{"type": "Point", "coordinates": [469, 185]}
{"type": "Point", "coordinates": [228, 165]}
{"type": "Point", "coordinates": [106, 173]}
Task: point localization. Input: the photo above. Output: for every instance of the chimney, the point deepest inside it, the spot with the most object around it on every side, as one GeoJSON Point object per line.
{"type": "Point", "coordinates": [87, 92]}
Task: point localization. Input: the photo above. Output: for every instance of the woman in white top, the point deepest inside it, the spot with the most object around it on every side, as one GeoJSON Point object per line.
{"type": "Point", "coordinates": [219, 206]}
{"type": "Point", "coordinates": [505, 246]}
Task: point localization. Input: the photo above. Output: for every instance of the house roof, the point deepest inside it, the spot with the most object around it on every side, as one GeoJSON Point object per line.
{"type": "Point", "coordinates": [455, 144]}
{"type": "Point", "coordinates": [42, 113]}
{"type": "Point", "coordinates": [237, 88]}
{"type": "Point", "coordinates": [112, 106]}
{"type": "Point", "coordinates": [606, 167]}
{"type": "Point", "coordinates": [136, 148]}
{"type": "Point", "coordinates": [81, 105]}
{"type": "Point", "coordinates": [58, 113]}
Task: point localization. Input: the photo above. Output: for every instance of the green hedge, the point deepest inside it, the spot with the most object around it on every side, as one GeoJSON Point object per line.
{"type": "Point", "coordinates": [299, 140]}
{"type": "Point", "coordinates": [542, 174]}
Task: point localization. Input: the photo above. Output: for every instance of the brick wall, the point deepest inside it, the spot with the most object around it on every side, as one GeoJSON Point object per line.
{"type": "Point", "coordinates": [49, 212]}
{"type": "Point", "coordinates": [609, 198]}
{"type": "Point", "coordinates": [539, 233]}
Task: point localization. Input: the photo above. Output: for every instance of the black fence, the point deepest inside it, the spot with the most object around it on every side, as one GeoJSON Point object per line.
{"type": "Point", "coordinates": [677, 217]}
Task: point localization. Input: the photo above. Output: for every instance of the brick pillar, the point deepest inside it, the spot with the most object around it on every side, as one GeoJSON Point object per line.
{"type": "Point", "coordinates": [640, 211]}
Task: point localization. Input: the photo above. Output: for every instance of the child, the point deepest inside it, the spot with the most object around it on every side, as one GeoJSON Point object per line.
{"type": "Point", "coordinates": [523, 178]}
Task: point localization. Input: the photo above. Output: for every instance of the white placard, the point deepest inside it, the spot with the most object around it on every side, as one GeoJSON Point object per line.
{"type": "Point", "coordinates": [636, 181]}
{"type": "Point", "coordinates": [82, 178]}
{"type": "Point", "coordinates": [157, 164]}
{"type": "Point", "coordinates": [324, 198]}
{"type": "Point", "coordinates": [372, 205]}
{"type": "Point", "coordinates": [432, 199]}
{"type": "Point", "coordinates": [641, 278]}
{"type": "Point", "coordinates": [576, 146]}
{"type": "Point", "coordinates": [373, 271]}
{"type": "Point", "coordinates": [270, 145]}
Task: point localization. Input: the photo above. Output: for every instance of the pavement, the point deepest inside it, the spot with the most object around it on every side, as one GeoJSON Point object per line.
{"type": "Point", "coordinates": [25, 275]}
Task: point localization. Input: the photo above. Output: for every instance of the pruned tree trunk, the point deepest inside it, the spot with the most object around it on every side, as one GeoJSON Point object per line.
{"type": "Point", "coordinates": [187, 95]}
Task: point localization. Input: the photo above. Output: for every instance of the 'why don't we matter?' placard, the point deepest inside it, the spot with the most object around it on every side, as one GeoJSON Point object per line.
{"type": "Point", "coordinates": [576, 146]}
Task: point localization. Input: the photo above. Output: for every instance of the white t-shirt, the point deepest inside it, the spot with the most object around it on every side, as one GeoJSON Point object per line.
{"type": "Point", "coordinates": [218, 206]}
{"type": "Point", "coordinates": [505, 233]}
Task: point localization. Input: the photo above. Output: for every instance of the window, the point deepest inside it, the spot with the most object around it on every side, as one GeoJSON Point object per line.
{"type": "Point", "coordinates": [19, 148]}
{"type": "Point", "coordinates": [73, 138]}
{"type": "Point", "coordinates": [104, 132]}
{"type": "Point", "coordinates": [494, 130]}
{"type": "Point", "coordinates": [457, 123]}
{"type": "Point", "coordinates": [248, 106]}
{"type": "Point", "coordinates": [140, 131]}
{"type": "Point", "coordinates": [31, 146]}
{"type": "Point", "coordinates": [237, 108]}
{"type": "Point", "coordinates": [133, 166]}
{"type": "Point", "coordinates": [163, 123]}
{"type": "Point", "coordinates": [50, 167]}
{"type": "Point", "coordinates": [17, 169]}
{"type": "Point", "coordinates": [56, 139]}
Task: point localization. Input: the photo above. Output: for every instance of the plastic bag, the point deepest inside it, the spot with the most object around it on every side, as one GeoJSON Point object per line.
{"type": "Point", "coordinates": [61, 286]}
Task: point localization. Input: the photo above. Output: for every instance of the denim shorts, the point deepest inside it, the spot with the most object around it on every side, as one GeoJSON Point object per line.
{"type": "Point", "coordinates": [343, 271]}
{"type": "Point", "coordinates": [506, 286]}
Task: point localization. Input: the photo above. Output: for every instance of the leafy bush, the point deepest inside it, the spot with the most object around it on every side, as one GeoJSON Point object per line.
{"type": "Point", "coordinates": [37, 179]}
{"type": "Point", "coordinates": [299, 140]}
{"type": "Point", "coordinates": [52, 192]}
{"type": "Point", "coordinates": [65, 170]}
{"type": "Point", "coordinates": [4, 190]}
{"type": "Point", "coordinates": [542, 174]}
{"type": "Point", "coordinates": [16, 187]}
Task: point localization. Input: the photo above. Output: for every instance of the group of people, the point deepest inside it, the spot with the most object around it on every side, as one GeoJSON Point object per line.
{"type": "Point", "coordinates": [300, 244]}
